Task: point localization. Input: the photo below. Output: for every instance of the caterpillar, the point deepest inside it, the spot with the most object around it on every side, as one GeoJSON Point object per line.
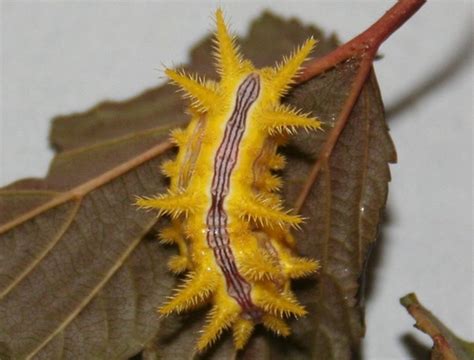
{"type": "Point", "coordinates": [227, 219]}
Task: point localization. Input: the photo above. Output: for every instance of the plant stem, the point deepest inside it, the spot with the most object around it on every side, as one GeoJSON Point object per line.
{"type": "Point", "coordinates": [369, 40]}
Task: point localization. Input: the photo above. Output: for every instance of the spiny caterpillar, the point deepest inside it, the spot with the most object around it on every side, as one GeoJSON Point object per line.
{"type": "Point", "coordinates": [228, 221]}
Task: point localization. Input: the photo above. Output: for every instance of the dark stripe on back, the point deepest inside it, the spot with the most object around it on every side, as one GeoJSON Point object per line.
{"type": "Point", "coordinates": [217, 219]}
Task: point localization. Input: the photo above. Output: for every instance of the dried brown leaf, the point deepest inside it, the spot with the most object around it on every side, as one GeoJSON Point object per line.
{"type": "Point", "coordinates": [446, 345]}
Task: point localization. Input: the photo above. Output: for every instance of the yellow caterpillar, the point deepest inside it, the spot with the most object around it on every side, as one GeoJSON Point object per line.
{"type": "Point", "coordinates": [227, 219]}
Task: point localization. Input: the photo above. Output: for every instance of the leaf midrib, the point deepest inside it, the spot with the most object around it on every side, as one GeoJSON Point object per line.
{"type": "Point", "coordinates": [83, 189]}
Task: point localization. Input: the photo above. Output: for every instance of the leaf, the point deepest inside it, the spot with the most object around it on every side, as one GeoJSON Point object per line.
{"type": "Point", "coordinates": [446, 345]}
{"type": "Point", "coordinates": [344, 210]}
{"type": "Point", "coordinates": [81, 278]}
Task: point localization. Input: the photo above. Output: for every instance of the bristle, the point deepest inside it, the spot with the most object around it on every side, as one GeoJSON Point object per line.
{"type": "Point", "coordinates": [277, 162]}
{"type": "Point", "coordinates": [286, 120]}
{"type": "Point", "coordinates": [219, 319]}
{"type": "Point", "coordinates": [264, 213]}
{"type": "Point", "coordinates": [227, 53]}
{"type": "Point", "coordinates": [195, 290]}
{"type": "Point", "coordinates": [173, 204]}
{"type": "Point", "coordinates": [278, 304]}
{"type": "Point", "coordinates": [288, 70]}
{"type": "Point", "coordinates": [258, 266]}
{"type": "Point", "coordinates": [270, 182]}
{"type": "Point", "coordinates": [178, 264]}
{"type": "Point", "coordinates": [297, 267]}
{"type": "Point", "coordinates": [275, 324]}
{"type": "Point", "coordinates": [170, 168]}
{"type": "Point", "coordinates": [178, 136]}
{"type": "Point", "coordinates": [169, 235]}
{"type": "Point", "coordinates": [242, 330]}
{"type": "Point", "coordinates": [202, 94]}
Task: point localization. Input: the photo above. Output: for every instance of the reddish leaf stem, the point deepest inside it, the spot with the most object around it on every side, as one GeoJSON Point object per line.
{"type": "Point", "coordinates": [364, 47]}
{"type": "Point", "coordinates": [369, 40]}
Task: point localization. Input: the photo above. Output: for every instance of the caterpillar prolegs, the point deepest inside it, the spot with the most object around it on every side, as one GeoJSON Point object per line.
{"type": "Point", "coordinates": [228, 220]}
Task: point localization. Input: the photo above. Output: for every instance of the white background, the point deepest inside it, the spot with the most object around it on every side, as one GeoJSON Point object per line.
{"type": "Point", "coordinates": [59, 57]}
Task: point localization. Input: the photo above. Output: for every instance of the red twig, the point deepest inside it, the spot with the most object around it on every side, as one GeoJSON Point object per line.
{"type": "Point", "coordinates": [364, 47]}
{"type": "Point", "coordinates": [369, 40]}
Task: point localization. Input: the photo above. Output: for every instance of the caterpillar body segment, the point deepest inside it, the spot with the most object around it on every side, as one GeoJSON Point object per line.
{"type": "Point", "coordinates": [228, 221]}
